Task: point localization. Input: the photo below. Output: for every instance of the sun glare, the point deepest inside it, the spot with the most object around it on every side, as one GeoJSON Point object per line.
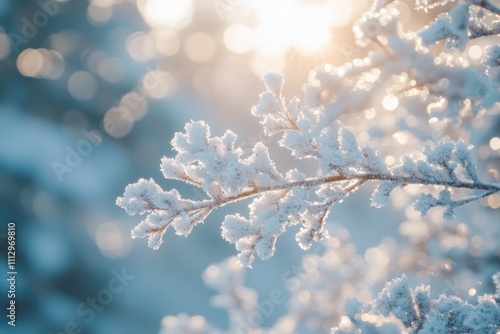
{"type": "Point", "coordinates": [166, 13]}
{"type": "Point", "coordinates": [292, 23]}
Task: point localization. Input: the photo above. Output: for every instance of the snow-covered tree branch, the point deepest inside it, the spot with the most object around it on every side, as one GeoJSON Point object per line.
{"type": "Point", "coordinates": [400, 309]}
{"type": "Point", "coordinates": [215, 165]}
{"type": "Point", "coordinates": [429, 98]}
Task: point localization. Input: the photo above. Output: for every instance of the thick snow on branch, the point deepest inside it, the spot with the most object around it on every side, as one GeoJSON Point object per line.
{"type": "Point", "coordinates": [404, 63]}
{"type": "Point", "coordinates": [400, 309]}
{"type": "Point", "coordinates": [219, 168]}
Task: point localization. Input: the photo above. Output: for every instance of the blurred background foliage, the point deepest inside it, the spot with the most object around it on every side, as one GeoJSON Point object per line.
{"type": "Point", "coordinates": [114, 80]}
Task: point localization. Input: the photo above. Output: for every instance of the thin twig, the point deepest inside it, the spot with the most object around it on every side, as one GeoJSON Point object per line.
{"type": "Point", "coordinates": [360, 178]}
{"type": "Point", "coordinates": [486, 4]}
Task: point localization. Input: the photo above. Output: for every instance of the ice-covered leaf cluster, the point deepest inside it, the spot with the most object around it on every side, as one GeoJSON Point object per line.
{"type": "Point", "coordinates": [400, 309]}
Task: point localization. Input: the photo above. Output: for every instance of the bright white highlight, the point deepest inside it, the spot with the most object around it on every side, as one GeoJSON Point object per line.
{"type": "Point", "coordinates": [166, 13]}
{"type": "Point", "coordinates": [307, 27]}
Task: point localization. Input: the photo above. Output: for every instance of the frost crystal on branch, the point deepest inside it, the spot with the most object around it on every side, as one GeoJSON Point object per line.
{"type": "Point", "coordinates": [463, 23]}
{"type": "Point", "coordinates": [412, 311]}
{"type": "Point", "coordinates": [446, 88]}
{"type": "Point", "coordinates": [429, 4]}
{"type": "Point", "coordinates": [219, 168]}
{"type": "Point", "coordinates": [493, 56]}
